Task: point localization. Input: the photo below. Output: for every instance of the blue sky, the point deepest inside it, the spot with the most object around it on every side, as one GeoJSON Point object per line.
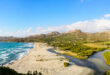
{"type": "Point", "coordinates": [28, 17]}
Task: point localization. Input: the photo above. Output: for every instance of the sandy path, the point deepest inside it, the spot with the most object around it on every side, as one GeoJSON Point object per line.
{"type": "Point", "coordinates": [43, 60]}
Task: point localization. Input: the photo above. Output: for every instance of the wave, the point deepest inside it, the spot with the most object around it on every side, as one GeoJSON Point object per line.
{"type": "Point", "coordinates": [9, 52]}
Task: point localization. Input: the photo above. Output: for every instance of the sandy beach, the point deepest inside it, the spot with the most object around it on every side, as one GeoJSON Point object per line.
{"type": "Point", "coordinates": [44, 60]}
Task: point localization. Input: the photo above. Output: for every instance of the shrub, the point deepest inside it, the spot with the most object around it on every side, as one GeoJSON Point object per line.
{"type": "Point", "coordinates": [40, 73]}
{"type": "Point", "coordinates": [107, 73]}
{"type": "Point", "coordinates": [66, 64]}
{"type": "Point", "coordinates": [29, 73]}
{"type": "Point", "coordinates": [8, 71]}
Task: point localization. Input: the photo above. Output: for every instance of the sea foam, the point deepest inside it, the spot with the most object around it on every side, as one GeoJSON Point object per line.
{"type": "Point", "coordinates": [9, 52]}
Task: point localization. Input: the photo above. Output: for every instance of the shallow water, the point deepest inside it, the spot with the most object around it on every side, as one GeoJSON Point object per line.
{"type": "Point", "coordinates": [10, 51]}
{"type": "Point", "coordinates": [95, 62]}
{"type": "Point", "coordinates": [98, 60]}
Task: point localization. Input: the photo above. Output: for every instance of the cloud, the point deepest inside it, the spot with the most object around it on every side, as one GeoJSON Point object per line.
{"type": "Point", "coordinates": [107, 15]}
{"type": "Point", "coordinates": [19, 33]}
{"type": "Point", "coordinates": [95, 25]}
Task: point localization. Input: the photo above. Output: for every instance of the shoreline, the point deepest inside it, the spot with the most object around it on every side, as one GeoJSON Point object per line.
{"type": "Point", "coordinates": [13, 61]}
{"type": "Point", "coordinates": [43, 59]}
{"type": "Point", "coordinates": [19, 52]}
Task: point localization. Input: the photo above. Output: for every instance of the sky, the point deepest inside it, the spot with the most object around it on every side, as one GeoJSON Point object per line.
{"type": "Point", "coordinates": [22, 18]}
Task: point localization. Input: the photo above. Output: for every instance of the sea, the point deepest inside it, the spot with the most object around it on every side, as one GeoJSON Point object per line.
{"type": "Point", "coordinates": [11, 51]}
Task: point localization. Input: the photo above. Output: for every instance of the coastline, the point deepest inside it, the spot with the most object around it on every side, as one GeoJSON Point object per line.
{"type": "Point", "coordinates": [15, 60]}
{"type": "Point", "coordinates": [13, 51]}
{"type": "Point", "coordinates": [42, 59]}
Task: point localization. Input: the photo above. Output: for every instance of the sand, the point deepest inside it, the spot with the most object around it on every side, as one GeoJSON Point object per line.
{"type": "Point", "coordinates": [44, 59]}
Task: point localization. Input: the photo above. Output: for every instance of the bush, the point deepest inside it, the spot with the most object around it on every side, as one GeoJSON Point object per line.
{"type": "Point", "coordinates": [107, 73]}
{"type": "Point", "coordinates": [66, 64]}
{"type": "Point", "coordinates": [8, 71]}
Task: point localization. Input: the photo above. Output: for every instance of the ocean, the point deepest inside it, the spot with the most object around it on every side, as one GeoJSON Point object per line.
{"type": "Point", "coordinates": [11, 51]}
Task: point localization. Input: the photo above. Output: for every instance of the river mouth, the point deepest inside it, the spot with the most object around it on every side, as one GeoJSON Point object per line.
{"type": "Point", "coordinates": [95, 62]}
{"type": "Point", "coordinates": [98, 60]}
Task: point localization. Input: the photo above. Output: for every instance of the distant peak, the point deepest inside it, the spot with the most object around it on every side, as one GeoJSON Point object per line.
{"type": "Point", "coordinates": [53, 33]}
{"type": "Point", "coordinates": [76, 30]}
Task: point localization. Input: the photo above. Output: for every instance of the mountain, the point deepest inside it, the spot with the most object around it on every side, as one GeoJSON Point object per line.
{"type": "Point", "coordinates": [75, 31]}
{"type": "Point", "coordinates": [44, 35]}
{"type": "Point", "coordinates": [37, 36]}
{"type": "Point", "coordinates": [77, 34]}
{"type": "Point", "coordinates": [6, 38]}
{"type": "Point", "coordinates": [53, 33]}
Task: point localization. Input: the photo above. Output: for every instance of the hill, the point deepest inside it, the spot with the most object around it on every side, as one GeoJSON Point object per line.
{"type": "Point", "coordinates": [76, 43]}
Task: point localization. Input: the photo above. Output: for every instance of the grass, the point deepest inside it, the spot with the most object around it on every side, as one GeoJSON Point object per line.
{"type": "Point", "coordinates": [107, 57]}
{"type": "Point", "coordinates": [84, 51]}
{"type": "Point", "coordinates": [74, 55]}
{"type": "Point", "coordinates": [106, 43]}
{"type": "Point", "coordinates": [95, 45]}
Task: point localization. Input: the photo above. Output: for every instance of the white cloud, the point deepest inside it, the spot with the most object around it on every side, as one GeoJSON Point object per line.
{"type": "Point", "coordinates": [19, 33]}
{"type": "Point", "coordinates": [95, 25]}
{"type": "Point", "coordinates": [107, 15]}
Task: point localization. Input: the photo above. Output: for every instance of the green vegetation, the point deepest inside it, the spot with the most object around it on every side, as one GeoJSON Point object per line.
{"type": "Point", "coordinates": [74, 55]}
{"type": "Point", "coordinates": [107, 73]}
{"type": "Point", "coordinates": [107, 57]}
{"type": "Point", "coordinates": [72, 43]}
{"type": "Point", "coordinates": [107, 60]}
{"type": "Point", "coordinates": [95, 45]}
{"type": "Point", "coordinates": [34, 73]}
{"type": "Point", "coordinates": [76, 43]}
{"type": "Point", "coordinates": [66, 64]}
{"type": "Point", "coordinates": [107, 44]}
{"type": "Point", "coordinates": [8, 71]}
{"type": "Point", "coordinates": [67, 59]}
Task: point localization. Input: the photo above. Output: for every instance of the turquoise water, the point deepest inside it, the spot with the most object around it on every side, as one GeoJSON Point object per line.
{"type": "Point", "coordinates": [10, 51]}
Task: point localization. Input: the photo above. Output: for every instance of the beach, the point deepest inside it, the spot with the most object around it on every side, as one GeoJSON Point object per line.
{"type": "Point", "coordinates": [42, 58]}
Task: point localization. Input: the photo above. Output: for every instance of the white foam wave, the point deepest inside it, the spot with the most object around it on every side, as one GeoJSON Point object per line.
{"type": "Point", "coordinates": [19, 51]}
